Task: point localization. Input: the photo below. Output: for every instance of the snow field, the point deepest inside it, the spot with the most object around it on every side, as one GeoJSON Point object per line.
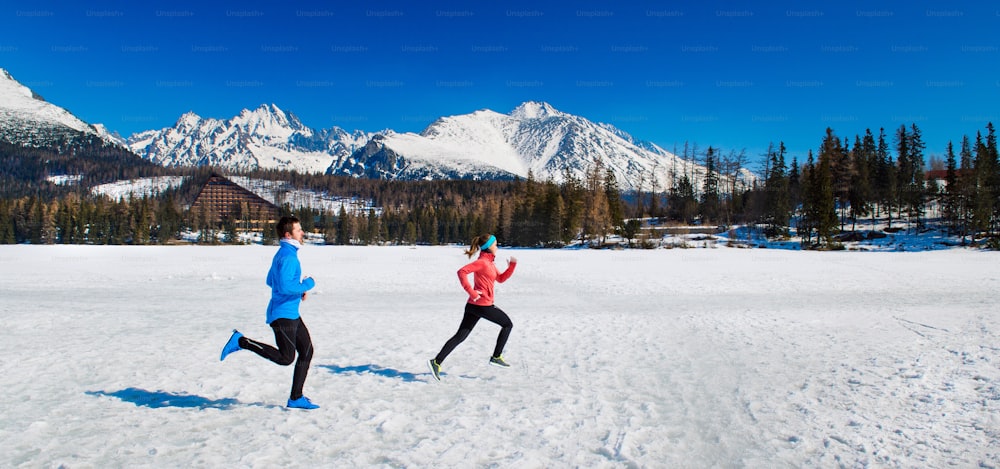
{"type": "Point", "coordinates": [665, 358]}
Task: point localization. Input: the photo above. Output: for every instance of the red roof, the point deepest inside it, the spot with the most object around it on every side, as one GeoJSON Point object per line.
{"type": "Point", "coordinates": [941, 174]}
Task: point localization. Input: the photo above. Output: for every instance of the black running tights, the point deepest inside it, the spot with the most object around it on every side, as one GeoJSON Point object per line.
{"type": "Point", "coordinates": [472, 315]}
{"type": "Point", "coordinates": [291, 336]}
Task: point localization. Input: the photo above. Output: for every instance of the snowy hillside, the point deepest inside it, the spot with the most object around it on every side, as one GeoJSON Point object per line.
{"type": "Point", "coordinates": [281, 193]}
{"type": "Point", "coordinates": [137, 188]}
{"type": "Point", "coordinates": [410, 156]}
{"type": "Point", "coordinates": [682, 358]}
{"type": "Point", "coordinates": [26, 118]}
{"type": "Point", "coordinates": [276, 192]}
{"type": "Point", "coordinates": [266, 137]}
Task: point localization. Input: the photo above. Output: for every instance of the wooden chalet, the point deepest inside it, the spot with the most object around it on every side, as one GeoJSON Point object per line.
{"type": "Point", "coordinates": [221, 199]}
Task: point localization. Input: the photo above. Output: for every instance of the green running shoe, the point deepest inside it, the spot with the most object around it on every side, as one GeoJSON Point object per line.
{"type": "Point", "coordinates": [435, 368]}
{"type": "Point", "coordinates": [499, 361]}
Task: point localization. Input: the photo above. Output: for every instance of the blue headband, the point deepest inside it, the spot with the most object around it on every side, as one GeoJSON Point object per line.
{"type": "Point", "coordinates": [488, 243]}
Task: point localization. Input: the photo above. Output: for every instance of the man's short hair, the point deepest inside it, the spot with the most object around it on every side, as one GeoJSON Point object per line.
{"type": "Point", "coordinates": [284, 225]}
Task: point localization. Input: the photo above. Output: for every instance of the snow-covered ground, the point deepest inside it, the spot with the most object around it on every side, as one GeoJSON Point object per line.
{"type": "Point", "coordinates": [663, 358]}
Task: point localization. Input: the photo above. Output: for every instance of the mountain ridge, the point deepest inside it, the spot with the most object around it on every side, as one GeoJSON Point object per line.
{"type": "Point", "coordinates": [534, 139]}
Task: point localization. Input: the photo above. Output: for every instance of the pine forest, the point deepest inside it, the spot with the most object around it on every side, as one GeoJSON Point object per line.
{"type": "Point", "coordinates": [876, 176]}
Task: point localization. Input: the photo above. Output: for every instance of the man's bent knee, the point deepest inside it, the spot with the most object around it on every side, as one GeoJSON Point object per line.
{"type": "Point", "coordinates": [285, 360]}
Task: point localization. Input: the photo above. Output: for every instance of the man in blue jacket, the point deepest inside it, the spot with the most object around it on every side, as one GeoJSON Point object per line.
{"type": "Point", "coordinates": [288, 289]}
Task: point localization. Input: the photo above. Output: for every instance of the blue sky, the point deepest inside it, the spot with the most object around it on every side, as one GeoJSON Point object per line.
{"type": "Point", "coordinates": [735, 75]}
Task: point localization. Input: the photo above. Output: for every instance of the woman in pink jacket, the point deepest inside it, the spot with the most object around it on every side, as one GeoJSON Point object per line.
{"type": "Point", "coordinates": [480, 304]}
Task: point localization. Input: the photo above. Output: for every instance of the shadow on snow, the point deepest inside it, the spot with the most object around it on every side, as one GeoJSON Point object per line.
{"type": "Point", "coordinates": [375, 370]}
{"type": "Point", "coordinates": [159, 399]}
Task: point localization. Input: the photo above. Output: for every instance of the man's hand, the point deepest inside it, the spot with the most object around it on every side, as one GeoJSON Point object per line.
{"type": "Point", "coordinates": [304, 295]}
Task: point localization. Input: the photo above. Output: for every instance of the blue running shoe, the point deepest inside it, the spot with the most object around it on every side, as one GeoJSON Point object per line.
{"type": "Point", "coordinates": [302, 403]}
{"type": "Point", "coordinates": [232, 346]}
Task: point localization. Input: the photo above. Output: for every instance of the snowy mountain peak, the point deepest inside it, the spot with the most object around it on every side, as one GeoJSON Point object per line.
{"type": "Point", "coordinates": [109, 136]}
{"type": "Point", "coordinates": [264, 112]}
{"type": "Point", "coordinates": [189, 120]}
{"type": "Point", "coordinates": [534, 138]}
{"type": "Point", "coordinates": [534, 110]}
{"type": "Point", "coordinates": [9, 87]}
{"type": "Point", "coordinates": [271, 120]}
{"type": "Point", "coordinates": [265, 137]}
{"type": "Point", "coordinates": [27, 119]}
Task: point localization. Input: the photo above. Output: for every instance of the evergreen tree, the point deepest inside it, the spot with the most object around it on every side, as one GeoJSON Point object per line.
{"type": "Point", "coordinates": [794, 185]}
{"type": "Point", "coordinates": [504, 230]}
{"type": "Point", "coordinates": [630, 230]}
{"type": "Point", "coordinates": [952, 192]}
{"type": "Point", "coordinates": [826, 215]}
{"type": "Point", "coordinates": [818, 207]}
{"type": "Point", "coordinates": [807, 217]}
{"type": "Point", "coordinates": [374, 231]}
{"type": "Point", "coordinates": [841, 172]}
{"type": "Point", "coordinates": [863, 159]}
{"type": "Point", "coordinates": [306, 216]}
{"type": "Point", "coordinates": [329, 230]}
{"type": "Point", "coordinates": [597, 213]}
{"type": "Point", "coordinates": [143, 221]}
{"type": "Point", "coordinates": [710, 189]}
{"type": "Point", "coordinates": [572, 192]}
{"type": "Point", "coordinates": [6, 223]}
{"type": "Point", "coordinates": [683, 202]}
{"type": "Point", "coordinates": [993, 180]}
{"type": "Point", "coordinates": [527, 224]}
{"type": "Point", "coordinates": [66, 223]}
{"type": "Point", "coordinates": [37, 221]}
{"type": "Point", "coordinates": [555, 210]}
{"type": "Point", "coordinates": [985, 167]}
{"type": "Point", "coordinates": [916, 190]}
{"type": "Point", "coordinates": [966, 187]}
{"type": "Point", "coordinates": [432, 233]}
{"type": "Point", "coordinates": [904, 169]}
{"type": "Point", "coordinates": [612, 192]}
{"type": "Point", "coordinates": [268, 234]}
{"type": "Point", "coordinates": [344, 227]}
{"type": "Point", "coordinates": [777, 211]}
{"type": "Point", "coordinates": [169, 221]}
{"type": "Point", "coordinates": [885, 178]}
{"type": "Point", "coordinates": [410, 233]}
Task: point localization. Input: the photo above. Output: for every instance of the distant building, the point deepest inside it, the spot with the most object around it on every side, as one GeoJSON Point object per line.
{"type": "Point", "coordinates": [939, 177]}
{"type": "Point", "coordinates": [223, 200]}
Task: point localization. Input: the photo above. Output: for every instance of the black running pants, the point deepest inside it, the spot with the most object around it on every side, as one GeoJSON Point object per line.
{"type": "Point", "coordinates": [472, 315]}
{"type": "Point", "coordinates": [291, 336]}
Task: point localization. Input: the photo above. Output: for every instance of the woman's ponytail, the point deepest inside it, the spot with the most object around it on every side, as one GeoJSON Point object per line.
{"type": "Point", "coordinates": [477, 242]}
